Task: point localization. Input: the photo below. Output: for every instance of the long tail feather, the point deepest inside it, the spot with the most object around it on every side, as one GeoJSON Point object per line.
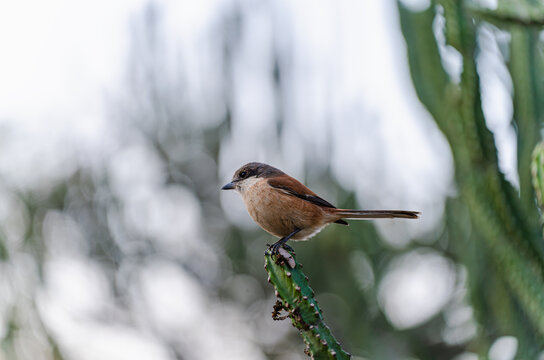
{"type": "Point", "coordinates": [376, 214]}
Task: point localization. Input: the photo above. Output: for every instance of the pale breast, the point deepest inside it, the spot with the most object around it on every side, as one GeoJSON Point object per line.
{"type": "Point", "coordinates": [279, 213]}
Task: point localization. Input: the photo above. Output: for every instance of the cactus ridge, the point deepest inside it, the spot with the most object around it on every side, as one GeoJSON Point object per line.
{"type": "Point", "coordinates": [297, 299]}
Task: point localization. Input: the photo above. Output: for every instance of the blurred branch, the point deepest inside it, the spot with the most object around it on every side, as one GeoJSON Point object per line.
{"type": "Point", "coordinates": [298, 299]}
{"type": "Point", "coordinates": [513, 16]}
{"type": "Point", "coordinates": [415, 27]}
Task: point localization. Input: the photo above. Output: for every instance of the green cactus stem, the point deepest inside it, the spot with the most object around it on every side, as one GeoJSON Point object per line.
{"type": "Point", "coordinates": [297, 299]}
{"type": "Point", "coordinates": [504, 233]}
{"type": "Point", "coordinates": [537, 172]}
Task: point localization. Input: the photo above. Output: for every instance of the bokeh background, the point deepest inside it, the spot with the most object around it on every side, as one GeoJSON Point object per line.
{"type": "Point", "coordinates": [121, 120]}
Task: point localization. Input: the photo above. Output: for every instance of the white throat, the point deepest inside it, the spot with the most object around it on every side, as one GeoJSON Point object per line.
{"type": "Point", "coordinates": [243, 186]}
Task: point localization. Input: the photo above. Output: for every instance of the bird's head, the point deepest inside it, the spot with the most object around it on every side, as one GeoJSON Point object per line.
{"type": "Point", "coordinates": [249, 174]}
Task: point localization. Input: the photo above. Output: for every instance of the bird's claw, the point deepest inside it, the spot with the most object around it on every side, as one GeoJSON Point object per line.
{"type": "Point", "coordinates": [281, 243]}
{"type": "Point", "coordinates": [288, 248]}
{"type": "Point", "coordinates": [274, 248]}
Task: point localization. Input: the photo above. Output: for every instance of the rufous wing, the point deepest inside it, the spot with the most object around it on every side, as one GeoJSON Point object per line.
{"type": "Point", "coordinates": [293, 187]}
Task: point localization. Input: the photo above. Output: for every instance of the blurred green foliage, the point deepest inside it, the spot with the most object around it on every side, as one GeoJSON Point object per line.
{"type": "Point", "coordinates": [503, 250]}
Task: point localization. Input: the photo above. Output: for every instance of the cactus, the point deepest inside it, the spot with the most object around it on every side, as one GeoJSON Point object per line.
{"type": "Point", "coordinates": [537, 172]}
{"type": "Point", "coordinates": [508, 292]}
{"type": "Point", "coordinates": [297, 298]}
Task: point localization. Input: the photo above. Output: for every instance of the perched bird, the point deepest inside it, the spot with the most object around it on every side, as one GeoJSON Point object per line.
{"type": "Point", "coordinates": [285, 208]}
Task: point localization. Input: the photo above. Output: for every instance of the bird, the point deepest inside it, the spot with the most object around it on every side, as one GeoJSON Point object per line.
{"type": "Point", "coordinates": [284, 207]}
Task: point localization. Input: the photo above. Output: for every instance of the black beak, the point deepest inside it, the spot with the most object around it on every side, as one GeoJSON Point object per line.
{"type": "Point", "coordinates": [229, 186]}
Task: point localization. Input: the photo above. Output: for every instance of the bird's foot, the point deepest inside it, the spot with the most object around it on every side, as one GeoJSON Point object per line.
{"type": "Point", "coordinates": [281, 243]}
{"type": "Point", "coordinates": [275, 247]}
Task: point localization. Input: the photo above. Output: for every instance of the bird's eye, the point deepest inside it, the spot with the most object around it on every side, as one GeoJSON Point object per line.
{"type": "Point", "coordinates": [243, 174]}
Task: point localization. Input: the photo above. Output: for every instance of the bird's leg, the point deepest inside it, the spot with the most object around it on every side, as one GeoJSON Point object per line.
{"type": "Point", "coordinates": [282, 242]}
